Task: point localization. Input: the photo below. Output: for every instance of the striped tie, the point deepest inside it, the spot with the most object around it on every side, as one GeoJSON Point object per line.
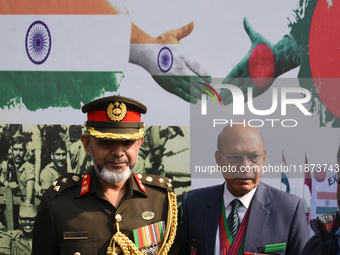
{"type": "Point", "coordinates": [233, 220]}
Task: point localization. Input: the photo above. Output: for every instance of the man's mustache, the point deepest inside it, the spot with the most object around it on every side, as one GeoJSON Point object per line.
{"type": "Point", "coordinates": [115, 161]}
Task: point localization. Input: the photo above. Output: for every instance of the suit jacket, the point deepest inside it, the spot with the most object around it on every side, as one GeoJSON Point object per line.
{"type": "Point", "coordinates": [275, 217]}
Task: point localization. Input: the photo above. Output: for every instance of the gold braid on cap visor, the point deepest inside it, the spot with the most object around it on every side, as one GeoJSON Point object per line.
{"type": "Point", "coordinates": [126, 136]}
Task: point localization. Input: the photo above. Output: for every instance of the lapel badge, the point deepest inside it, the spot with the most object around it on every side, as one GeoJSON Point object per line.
{"type": "Point", "coordinates": [116, 111]}
{"type": "Point", "coordinates": [140, 184]}
{"type": "Point", "coordinates": [85, 185]}
{"type": "Point", "coordinates": [148, 215]}
{"type": "Point", "coordinates": [169, 185]}
{"type": "Point", "coordinates": [169, 180]}
{"type": "Point", "coordinates": [148, 179]}
{"type": "Point", "coordinates": [54, 183]}
{"type": "Point", "coordinates": [56, 188]}
{"type": "Point", "coordinates": [160, 180]}
{"type": "Point", "coordinates": [64, 180]}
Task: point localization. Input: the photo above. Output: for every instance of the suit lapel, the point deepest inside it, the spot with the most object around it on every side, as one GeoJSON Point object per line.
{"type": "Point", "coordinates": [258, 217]}
{"type": "Point", "coordinates": [211, 219]}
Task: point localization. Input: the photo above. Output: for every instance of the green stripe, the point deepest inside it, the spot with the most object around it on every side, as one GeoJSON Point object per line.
{"type": "Point", "coordinates": [226, 225]}
{"type": "Point", "coordinates": [161, 230]}
{"type": "Point", "coordinates": [135, 235]}
{"type": "Point", "coordinates": [44, 89]}
{"type": "Point", "coordinates": [240, 251]}
{"type": "Point", "coordinates": [325, 210]}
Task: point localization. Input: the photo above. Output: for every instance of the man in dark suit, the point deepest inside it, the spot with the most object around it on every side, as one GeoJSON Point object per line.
{"type": "Point", "coordinates": [243, 215]}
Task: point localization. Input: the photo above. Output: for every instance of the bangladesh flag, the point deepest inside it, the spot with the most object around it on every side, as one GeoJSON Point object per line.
{"type": "Point", "coordinates": [60, 53]}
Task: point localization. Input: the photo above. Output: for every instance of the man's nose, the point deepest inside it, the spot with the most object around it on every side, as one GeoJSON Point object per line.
{"type": "Point", "coordinates": [117, 150]}
{"type": "Point", "coordinates": [245, 161]}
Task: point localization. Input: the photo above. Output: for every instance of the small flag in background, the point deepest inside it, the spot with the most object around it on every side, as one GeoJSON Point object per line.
{"type": "Point", "coordinates": [308, 177]}
{"type": "Point", "coordinates": [284, 177]}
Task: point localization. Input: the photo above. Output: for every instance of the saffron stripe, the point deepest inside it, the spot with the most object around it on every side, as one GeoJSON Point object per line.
{"type": "Point", "coordinates": [326, 195]}
{"type": "Point", "coordinates": [144, 237]}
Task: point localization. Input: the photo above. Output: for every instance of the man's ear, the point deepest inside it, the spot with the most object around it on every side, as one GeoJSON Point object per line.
{"type": "Point", "coordinates": [265, 157]}
{"type": "Point", "coordinates": [85, 139]}
{"type": "Point", "coordinates": [217, 157]}
{"type": "Point", "coordinates": [141, 141]}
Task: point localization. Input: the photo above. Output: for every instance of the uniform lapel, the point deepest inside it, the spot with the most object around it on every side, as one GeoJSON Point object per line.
{"type": "Point", "coordinates": [211, 219]}
{"type": "Point", "coordinates": [258, 217]}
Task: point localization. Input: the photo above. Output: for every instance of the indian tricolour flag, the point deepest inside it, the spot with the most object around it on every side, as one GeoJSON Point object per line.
{"type": "Point", "coordinates": [60, 53]}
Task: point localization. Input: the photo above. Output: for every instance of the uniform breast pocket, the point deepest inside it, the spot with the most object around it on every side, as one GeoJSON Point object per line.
{"type": "Point", "coordinates": [79, 247]}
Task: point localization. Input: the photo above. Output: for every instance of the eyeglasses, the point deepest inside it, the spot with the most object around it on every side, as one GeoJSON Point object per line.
{"type": "Point", "coordinates": [236, 159]}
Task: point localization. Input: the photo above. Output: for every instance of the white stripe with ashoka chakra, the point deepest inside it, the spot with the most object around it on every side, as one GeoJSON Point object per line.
{"type": "Point", "coordinates": [78, 42]}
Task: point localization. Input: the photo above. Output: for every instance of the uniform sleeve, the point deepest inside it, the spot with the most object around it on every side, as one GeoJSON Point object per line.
{"type": "Point", "coordinates": [298, 234]}
{"type": "Point", "coordinates": [45, 240]}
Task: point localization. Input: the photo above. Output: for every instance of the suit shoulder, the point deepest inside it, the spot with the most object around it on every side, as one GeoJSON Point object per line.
{"type": "Point", "coordinates": [204, 192]}
{"type": "Point", "coordinates": [279, 193]}
{"type": "Point", "coordinates": [63, 183]}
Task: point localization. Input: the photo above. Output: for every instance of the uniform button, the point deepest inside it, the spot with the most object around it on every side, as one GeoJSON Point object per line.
{"type": "Point", "coordinates": [118, 217]}
{"type": "Point", "coordinates": [148, 179]}
{"type": "Point", "coordinates": [77, 253]}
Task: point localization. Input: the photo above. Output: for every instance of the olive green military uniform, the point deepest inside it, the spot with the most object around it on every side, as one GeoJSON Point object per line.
{"type": "Point", "coordinates": [69, 222]}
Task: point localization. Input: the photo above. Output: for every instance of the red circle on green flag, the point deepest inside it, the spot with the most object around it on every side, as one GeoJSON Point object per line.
{"type": "Point", "coordinates": [261, 65]}
{"type": "Point", "coordinates": [324, 53]}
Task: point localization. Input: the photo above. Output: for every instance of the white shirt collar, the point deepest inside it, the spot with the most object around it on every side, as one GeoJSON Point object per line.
{"type": "Point", "coordinates": [246, 199]}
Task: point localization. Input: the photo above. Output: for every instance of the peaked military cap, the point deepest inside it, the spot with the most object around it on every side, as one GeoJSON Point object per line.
{"type": "Point", "coordinates": [115, 117]}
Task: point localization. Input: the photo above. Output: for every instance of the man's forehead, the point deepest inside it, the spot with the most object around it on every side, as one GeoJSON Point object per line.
{"type": "Point", "coordinates": [18, 145]}
{"type": "Point", "coordinates": [234, 137]}
{"type": "Point", "coordinates": [60, 150]}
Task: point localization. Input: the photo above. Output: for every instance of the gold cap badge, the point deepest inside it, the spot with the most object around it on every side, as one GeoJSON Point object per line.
{"type": "Point", "coordinates": [116, 111]}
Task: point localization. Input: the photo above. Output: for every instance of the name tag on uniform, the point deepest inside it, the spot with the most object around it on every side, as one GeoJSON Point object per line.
{"type": "Point", "coordinates": [270, 248]}
{"type": "Point", "coordinates": [252, 253]}
{"type": "Point", "coordinates": [76, 235]}
{"type": "Point", "coordinates": [275, 247]}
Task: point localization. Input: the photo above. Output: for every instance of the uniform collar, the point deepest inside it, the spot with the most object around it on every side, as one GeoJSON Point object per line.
{"type": "Point", "coordinates": [95, 187]}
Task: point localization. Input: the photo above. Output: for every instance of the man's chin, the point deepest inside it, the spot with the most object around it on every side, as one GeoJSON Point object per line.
{"type": "Point", "coordinates": [114, 176]}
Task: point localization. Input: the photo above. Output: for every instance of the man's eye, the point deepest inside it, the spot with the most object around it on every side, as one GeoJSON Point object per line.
{"type": "Point", "coordinates": [235, 158]}
{"type": "Point", "coordinates": [254, 157]}
{"type": "Point", "coordinates": [128, 143]}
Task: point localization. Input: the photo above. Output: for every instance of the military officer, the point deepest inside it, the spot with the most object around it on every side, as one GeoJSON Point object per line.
{"type": "Point", "coordinates": [109, 210]}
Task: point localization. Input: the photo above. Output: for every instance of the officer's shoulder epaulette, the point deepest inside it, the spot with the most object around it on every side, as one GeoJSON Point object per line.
{"type": "Point", "coordinates": [155, 180]}
{"type": "Point", "coordinates": [62, 183]}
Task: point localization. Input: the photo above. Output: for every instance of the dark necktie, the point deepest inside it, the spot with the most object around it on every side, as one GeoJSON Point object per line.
{"type": "Point", "coordinates": [233, 220]}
